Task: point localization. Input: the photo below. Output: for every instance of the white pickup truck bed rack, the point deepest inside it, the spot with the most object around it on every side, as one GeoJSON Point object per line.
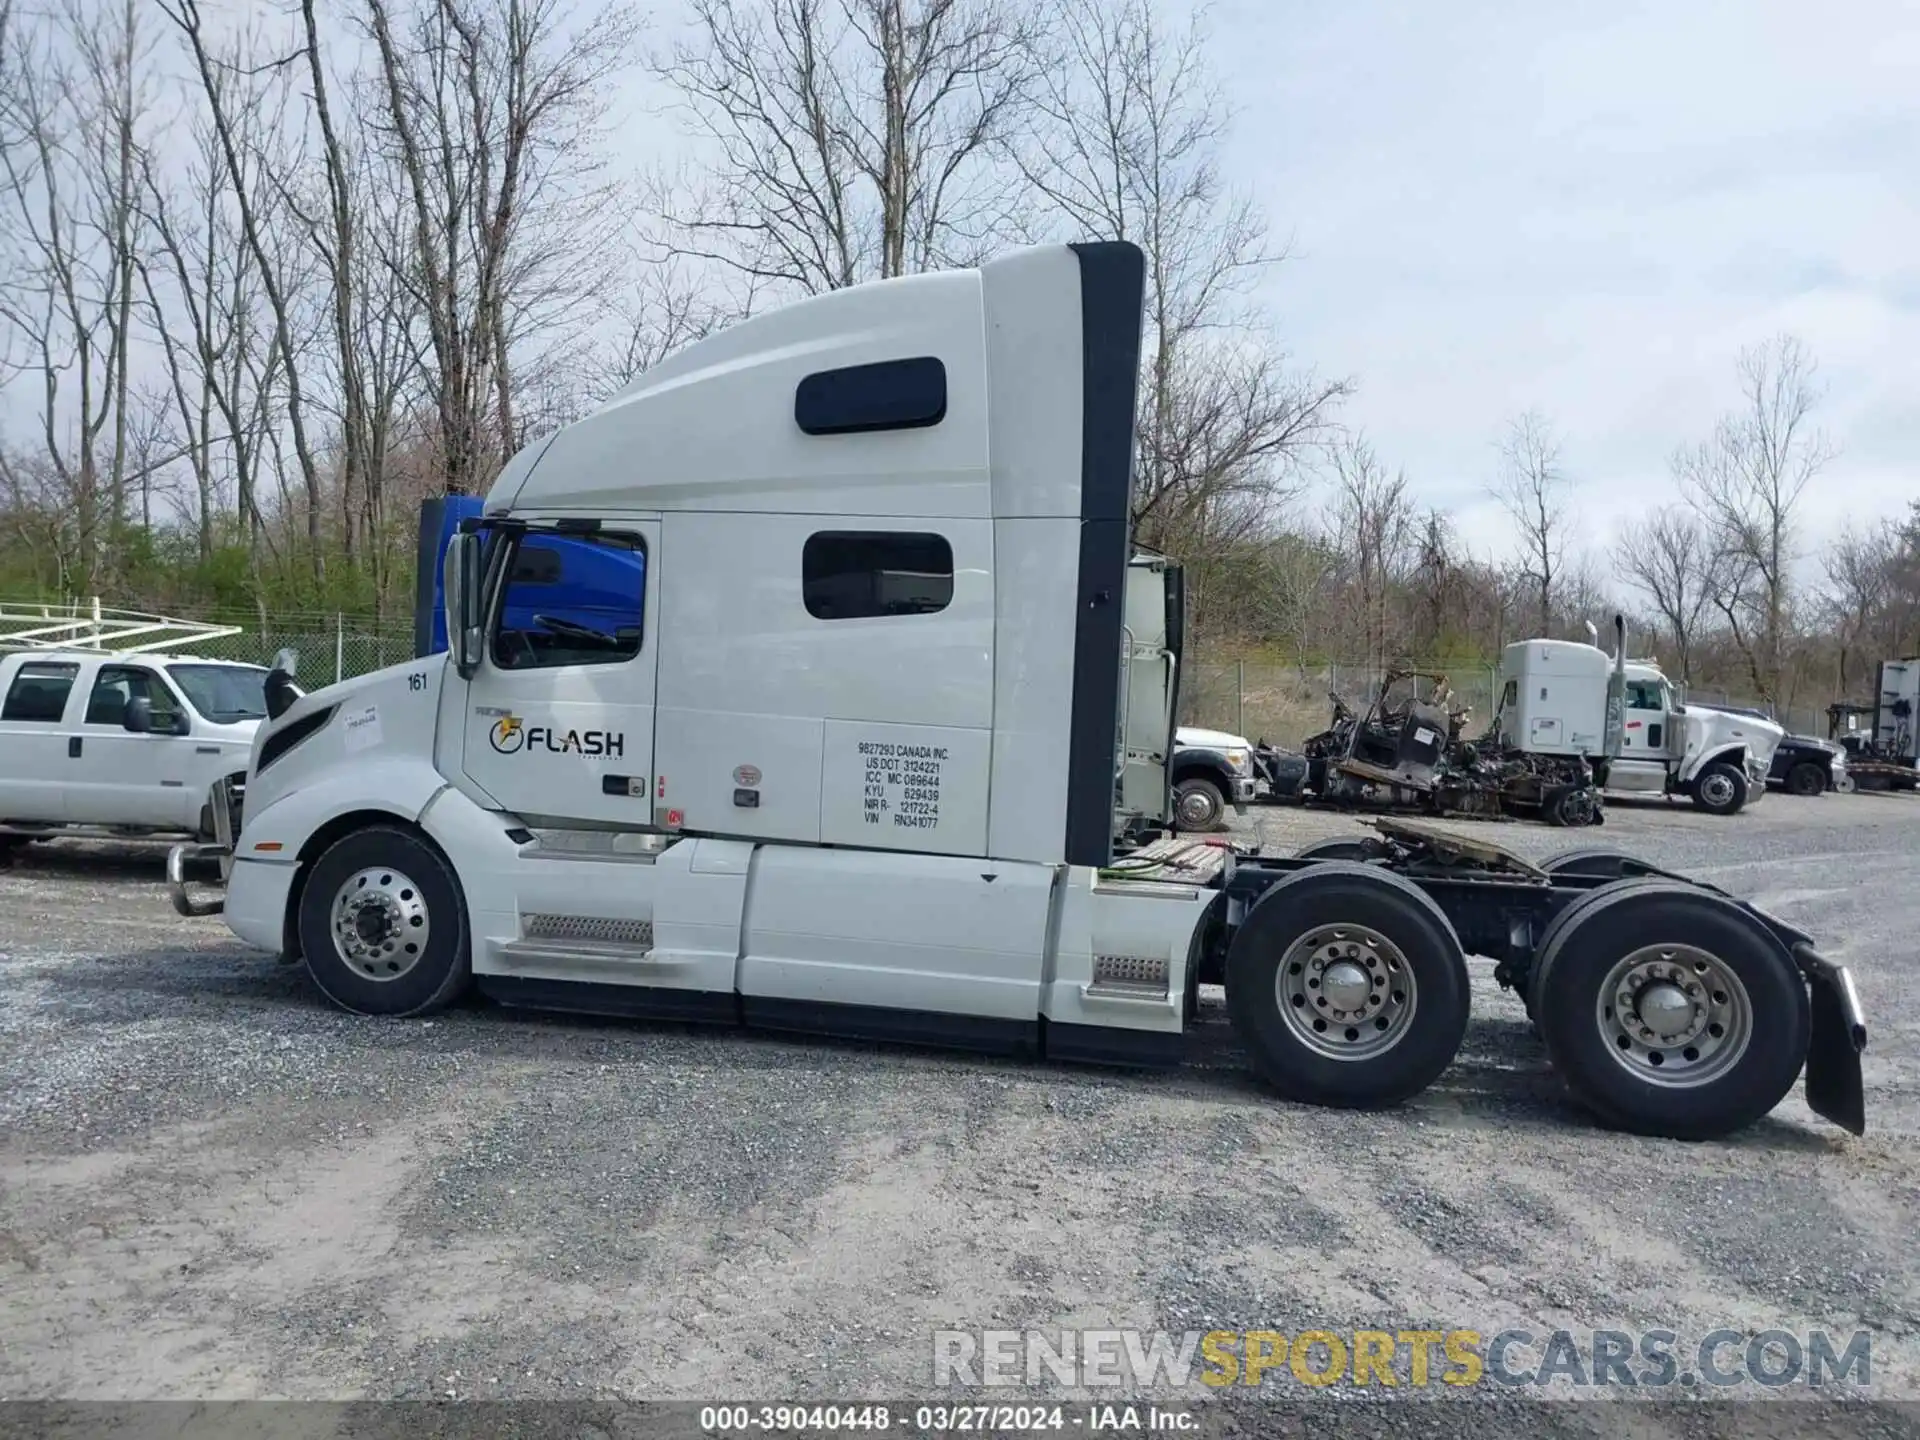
{"type": "Point", "coordinates": [89, 625]}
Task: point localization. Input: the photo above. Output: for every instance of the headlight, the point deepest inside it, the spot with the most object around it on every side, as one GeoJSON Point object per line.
{"type": "Point", "coordinates": [1237, 759]}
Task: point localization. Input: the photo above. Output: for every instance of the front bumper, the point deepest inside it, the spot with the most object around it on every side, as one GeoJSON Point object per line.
{"type": "Point", "coordinates": [187, 896]}
{"type": "Point", "coordinates": [1244, 789]}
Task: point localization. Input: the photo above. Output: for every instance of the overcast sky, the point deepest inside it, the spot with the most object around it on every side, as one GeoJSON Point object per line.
{"type": "Point", "coordinates": [1591, 208]}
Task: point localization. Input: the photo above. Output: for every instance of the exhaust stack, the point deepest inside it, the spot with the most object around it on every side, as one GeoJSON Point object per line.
{"type": "Point", "coordinates": [1616, 736]}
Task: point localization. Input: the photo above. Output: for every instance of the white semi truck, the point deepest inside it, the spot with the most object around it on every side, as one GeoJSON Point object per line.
{"type": "Point", "coordinates": [1555, 698]}
{"type": "Point", "coordinates": [851, 752]}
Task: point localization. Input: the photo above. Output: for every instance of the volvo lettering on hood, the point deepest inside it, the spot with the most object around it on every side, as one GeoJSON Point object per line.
{"type": "Point", "coordinates": [511, 735]}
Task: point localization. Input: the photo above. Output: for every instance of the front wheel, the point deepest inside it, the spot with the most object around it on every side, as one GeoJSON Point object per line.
{"type": "Point", "coordinates": [1199, 804]}
{"type": "Point", "coordinates": [1807, 778]}
{"type": "Point", "coordinates": [1347, 987]}
{"type": "Point", "coordinates": [1721, 789]}
{"type": "Point", "coordinates": [1670, 1012]}
{"type": "Point", "coordinates": [383, 926]}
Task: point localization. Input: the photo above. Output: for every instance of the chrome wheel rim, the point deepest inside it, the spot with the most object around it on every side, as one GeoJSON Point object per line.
{"type": "Point", "coordinates": [1674, 1015]}
{"type": "Point", "coordinates": [1717, 790]}
{"type": "Point", "coordinates": [379, 924]}
{"type": "Point", "coordinates": [1346, 992]}
{"type": "Point", "coordinates": [1197, 808]}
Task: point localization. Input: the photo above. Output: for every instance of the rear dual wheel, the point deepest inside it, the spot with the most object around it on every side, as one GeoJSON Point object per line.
{"type": "Point", "coordinates": [1668, 1010]}
{"type": "Point", "coordinates": [1347, 986]}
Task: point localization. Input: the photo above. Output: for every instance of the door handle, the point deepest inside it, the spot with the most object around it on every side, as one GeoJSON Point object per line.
{"type": "Point", "coordinates": [73, 747]}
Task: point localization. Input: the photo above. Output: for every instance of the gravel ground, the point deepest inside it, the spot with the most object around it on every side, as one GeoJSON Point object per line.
{"type": "Point", "coordinates": [213, 1186]}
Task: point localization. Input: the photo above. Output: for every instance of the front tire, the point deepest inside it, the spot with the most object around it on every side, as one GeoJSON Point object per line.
{"type": "Point", "coordinates": [1348, 988]}
{"type": "Point", "coordinates": [1807, 778]}
{"type": "Point", "coordinates": [383, 925]}
{"type": "Point", "coordinates": [1669, 1011]}
{"type": "Point", "coordinates": [1199, 804]}
{"type": "Point", "coordinates": [1720, 789]}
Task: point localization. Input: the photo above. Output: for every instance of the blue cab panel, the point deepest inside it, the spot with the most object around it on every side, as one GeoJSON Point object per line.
{"type": "Point", "coordinates": [569, 579]}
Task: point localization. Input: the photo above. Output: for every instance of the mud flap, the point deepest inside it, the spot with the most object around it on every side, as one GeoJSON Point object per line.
{"type": "Point", "coordinates": [1834, 1087]}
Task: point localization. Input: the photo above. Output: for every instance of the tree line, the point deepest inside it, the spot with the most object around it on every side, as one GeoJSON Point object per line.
{"type": "Point", "coordinates": [270, 274]}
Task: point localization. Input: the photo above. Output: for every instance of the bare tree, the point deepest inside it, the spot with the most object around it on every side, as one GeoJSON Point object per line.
{"type": "Point", "coordinates": [1670, 559]}
{"type": "Point", "coordinates": [1372, 523]}
{"type": "Point", "coordinates": [486, 103]}
{"type": "Point", "coordinates": [1533, 489]}
{"type": "Point", "coordinates": [73, 98]}
{"type": "Point", "coordinates": [218, 82]}
{"type": "Point", "coordinates": [1746, 482]}
{"type": "Point", "coordinates": [1859, 567]}
{"type": "Point", "coordinates": [668, 308]}
{"type": "Point", "coordinates": [848, 139]}
{"type": "Point", "coordinates": [1131, 124]}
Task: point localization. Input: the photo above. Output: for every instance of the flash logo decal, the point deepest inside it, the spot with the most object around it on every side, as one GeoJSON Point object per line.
{"type": "Point", "coordinates": [513, 736]}
{"type": "Point", "coordinates": [507, 735]}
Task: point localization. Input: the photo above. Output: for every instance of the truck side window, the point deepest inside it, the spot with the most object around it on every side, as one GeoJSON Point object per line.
{"type": "Point", "coordinates": [570, 600]}
{"type": "Point", "coordinates": [858, 574]}
{"type": "Point", "coordinates": [39, 693]}
{"type": "Point", "coordinates": [115, 685]}
{"type": "Point", "coordinates": [1644, 695]}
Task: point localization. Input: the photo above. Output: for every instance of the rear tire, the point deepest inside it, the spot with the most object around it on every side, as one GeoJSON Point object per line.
{"type": "Point", "coordinates": [1720, 789]}
{"type": "Point", "coordinates": [1807, 778]}
{"type": "Point", "coordinates": [1199, 805]}
{"type": "Point", "coordinates": [1670, 1011]}
{"type": "Point", "coordinates": [383, 925]}
{"type": "Point", "coordinates": [1392, 1010]}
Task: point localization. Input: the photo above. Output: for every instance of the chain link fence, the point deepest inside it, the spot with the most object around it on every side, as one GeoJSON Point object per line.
{"type": "Point", "coordinates": [331, 647]}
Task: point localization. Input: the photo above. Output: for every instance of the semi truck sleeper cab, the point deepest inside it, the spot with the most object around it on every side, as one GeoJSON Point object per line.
{"type": "Point", "coordinates": [874, 739]}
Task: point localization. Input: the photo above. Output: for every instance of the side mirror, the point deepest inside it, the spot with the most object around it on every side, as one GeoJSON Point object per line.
{"type": "Point", "coordinates": [137, 718]}
{"type": "Point", "coordinates": [460, 583]}
{"type": "Point", "coordinates": [281, 691]}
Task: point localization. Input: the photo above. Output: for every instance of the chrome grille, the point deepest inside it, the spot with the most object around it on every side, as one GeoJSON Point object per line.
{"type": "Point", "coordinates": [588, 929]}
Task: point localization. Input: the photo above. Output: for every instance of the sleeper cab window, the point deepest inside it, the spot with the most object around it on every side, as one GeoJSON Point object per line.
{"type": "Point", "coordinates": [860, 399]}
{"type": "Point", "coordinates": [860, 574]}
{"type": "Point", "coordinates": [571, 600]}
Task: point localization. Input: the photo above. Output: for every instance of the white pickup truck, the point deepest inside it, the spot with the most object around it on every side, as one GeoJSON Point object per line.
{"type": "Point", "coordinates": [128, 744]}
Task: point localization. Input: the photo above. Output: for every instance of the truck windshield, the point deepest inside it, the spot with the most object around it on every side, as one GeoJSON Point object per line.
{"type": "Point", "coordinates": [223, 693]}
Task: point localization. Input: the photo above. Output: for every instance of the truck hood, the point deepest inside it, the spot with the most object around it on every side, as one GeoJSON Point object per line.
{"type": "Point", "coordinates": [369, 712]}
{"type": "Point", "coordinates": [1709, 729]}
{"type": "Point", "coordinates": [1209, 739]}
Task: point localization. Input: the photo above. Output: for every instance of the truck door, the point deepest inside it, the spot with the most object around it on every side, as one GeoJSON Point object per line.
{"type": "Point", "coordinates": [120, 778]}
{"type": "Point", "coordinates": [33, 741]}
{"type": "Point", "coordinates": [1646, 732]}
{"type": "Point", "coordinates": [1645, 735]}
{"type": "Point", "coordinates": [559, 723]}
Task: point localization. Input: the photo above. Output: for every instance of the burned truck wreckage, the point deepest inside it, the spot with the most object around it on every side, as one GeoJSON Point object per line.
{"type": "Point", "coordinates": [1409, 751]}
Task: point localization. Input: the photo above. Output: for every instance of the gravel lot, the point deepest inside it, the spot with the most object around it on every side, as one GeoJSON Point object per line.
{"type": "Point", "coordinates": [212, 1185]}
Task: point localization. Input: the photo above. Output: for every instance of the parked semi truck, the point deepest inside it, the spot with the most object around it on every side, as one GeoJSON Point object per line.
{"type": "Point", "coordinates": [874, 741]}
